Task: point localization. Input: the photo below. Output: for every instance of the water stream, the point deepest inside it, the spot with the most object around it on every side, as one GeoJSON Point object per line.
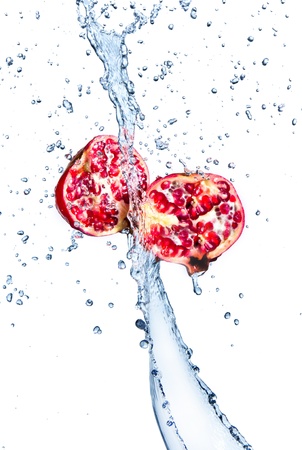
{"type": "Point", "coordinates": [185, 408]}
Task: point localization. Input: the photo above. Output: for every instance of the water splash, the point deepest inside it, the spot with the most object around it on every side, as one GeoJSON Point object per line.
{"type": "Point", "coordinates": [185, 407]}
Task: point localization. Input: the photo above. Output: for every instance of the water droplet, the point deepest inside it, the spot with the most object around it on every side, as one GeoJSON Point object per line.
{"type": "Point", "coordinates": [235, 80]}
{"type": "Point", "coordinates": [89, 302]}
{"type": "Point", "coordinates": [68, 106]}
{"type": "Point", "coordinates": [241, 295]}
{"type": "Point", "coordinates": [263, 106]}
{"type": "Point", "coordinates": [170, 423]}
{"type": "Point", "coordinates": [250, 38]}
{"type": "Point", "coordinates": [9, 61]}
{"type": "Point", "coordinates": [216, 162]}
{"type": "Point", "coordinates": [281, 107]}
{"type": "Point", "coordinates": [48, 256]}
{"type": "Point", "coordinates": [24, 179]}
{"type": "Point", "coordinates": [97, 330]}
{"type": "Point", "coordinates": [111, 305]}
{"type": "Point", "coordinates": [19, 69]}
{"type": "Point", "coordinates": [139, 323]}
{"type": "Point", "coordinates": [19, 301]}
{"type": "Point", "coordinates": [20, 232]}
{"type": "Point", "coordinates": [50, 147]}
{"type": "Point", "coordinates": [294, 122]}
{"type": "Point", "coordinates": [165, 404]}
{"type": "Point", "coordinates": [257, 212]}
{"type": "Point", "coordinates": [25, 239]}
{"type": "Point", "coordinates": [38, 15]}
{"type": "Point", "coordinates": [197, 290]}
{"type": "Point", "coordinates": [172, 121]}
{"type": "Point", "coordinates": [121, 264]}
{"type": "Point", "coordinates": [144, 343]}
{"type": "Point", "coordinates": [231, 165]}
{"type": "Point", "coordinates": [248, 114]}
{"type": "Point", "coordinates": [265, 61]}
{"type": "Point", "coordinates": [209, 23]}
{"type": "Point", "coordinates": [236, 322]}
{"type": "Point", "coordinates": [9, 297]}
{"type": "Point", "coordinates": [171, 26]}
{"type": "Point", "coordinates": [214, 91]}
{"type": "Point", "coordinates": [27, 191]}
{"type": "Point", "coordinates": [227, 315]}
{"type": "Point", "coordinates": [193, 14]}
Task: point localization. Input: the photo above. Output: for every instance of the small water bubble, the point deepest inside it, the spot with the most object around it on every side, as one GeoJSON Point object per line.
{"type": "Point", "coordinates": [9, 61]}
{"type": "Point", "coordinates": [294, 122]}
{"type": "Point", "coordinates": [114, 247]}
{"type": "Point", "coordinates": [97, 330]}
{"type": "Point", "coordinates": [241, 295]}
{"type": "Point", "coordinates": [193, 13]}
{"type": "Point", "coordinates": [24, 179]}
{"type": "Point", "coordinates": [236, 322]}
{"type": "Point", "coordinates": [214, 91]}
{"type": "Point", "coordinates": [235, 80]}
{"type": "Point", "coordinates": [212, 398]}
{"type": "Point", "coordinates": [231, 165]}
{"type": "Point", "coordinates": [171, 26]}
{"type": "Point", "coordinates": [170, 423]}
{"type": "Point", "coordinates": [216, 162]}
{"type": "Point", "coordinates": [263, 106]}
{"type": "Point", "coordinates": [121, 264]}
{"type": "Point", "coordinates": [9, 297]}
{"type": "Point", "coordinates": [140, 324]}
{"type": "Point", "coordinates": [155, 373]}
{"type": "Point", "coordinates": [68, 106]}
{"type": "Point", "coordinates": [19, 69]}
{"type": "Point", "coordinates": [265, 61]}
{"type": "Point", "coordinates": [20, 232]}
{"type": "Point", "coordinates": [50, 147]}
{"type": "Point", "coordinates": [165, 404]}
{"type": "Point", "coordinates": [248, 114]}
{"type": "Point", "coordinates": [111, 305]}
{"type": "Point", "coordinates": [168, 164]}
{"type": "Point", "coordinates": [34, 258]}
{"type": "Point", "coordinates": [227, 315]}
{"type": "Point", "coordinates": [257, 212]}
{"type": "Point", "coordinates": [25, 239]}
{"type": "Point", "coordinates": [48, 256]}
{"type": "Point", "coordinates": [250, 38]}
{"type": "Point", "coordinates": [209, 23]}
{"type": "Point", "coordinates": [144, 343]}
{"type": "Point", "coordinates": [89, 302]}
{"type": "Point", "coordinates": [27, 191]}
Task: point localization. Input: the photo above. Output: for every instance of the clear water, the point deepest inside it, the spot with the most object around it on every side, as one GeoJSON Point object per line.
{"type": "Point", "coordinates": [185, 407]}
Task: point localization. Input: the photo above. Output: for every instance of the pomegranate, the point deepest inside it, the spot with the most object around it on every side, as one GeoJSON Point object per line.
{"type": "Point", "coordinates": [92, 194]}
{"type": "Point", "coordinates": [191, 219]}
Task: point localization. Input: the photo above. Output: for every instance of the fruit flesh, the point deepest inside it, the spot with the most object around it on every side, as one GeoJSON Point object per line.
{"type": "Point", "coordinates": [191, 219]}
{"type": "Point", "coordinates": [92, 193]}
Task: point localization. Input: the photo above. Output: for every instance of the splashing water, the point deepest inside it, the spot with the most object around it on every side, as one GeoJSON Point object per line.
{"type": "Point", "coordinates": [185, 408]}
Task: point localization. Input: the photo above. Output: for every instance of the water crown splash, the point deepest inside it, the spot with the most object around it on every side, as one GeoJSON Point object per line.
{"type": "Point", "coordinates": [185, 408]}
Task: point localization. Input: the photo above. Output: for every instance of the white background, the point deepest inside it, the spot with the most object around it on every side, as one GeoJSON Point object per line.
{"type": "Point", "coordinates": [61, 385]}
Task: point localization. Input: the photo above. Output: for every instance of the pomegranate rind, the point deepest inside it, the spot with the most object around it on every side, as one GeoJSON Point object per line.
{"type": "Point", "coordinates": [191, 219]}
{"type": "Point", "coordinates": [92, 194]}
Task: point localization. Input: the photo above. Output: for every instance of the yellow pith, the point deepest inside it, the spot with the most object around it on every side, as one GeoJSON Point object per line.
{"type": "Point", "coordinates": [152, 216]}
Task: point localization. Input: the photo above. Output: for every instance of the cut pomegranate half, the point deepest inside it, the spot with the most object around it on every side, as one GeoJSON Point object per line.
{"type": "Point", "coordinates": [191, 219]}
{"type": "Point", "coordinates": [92, 194]}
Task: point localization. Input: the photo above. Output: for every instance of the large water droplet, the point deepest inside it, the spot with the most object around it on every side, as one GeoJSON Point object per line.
{"type": "Point", "coordinates": [197, 290]}
{"type": "Point", "coordinates": [97, 330]}
{"type": "Point", "coordinates": [68, 106]}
